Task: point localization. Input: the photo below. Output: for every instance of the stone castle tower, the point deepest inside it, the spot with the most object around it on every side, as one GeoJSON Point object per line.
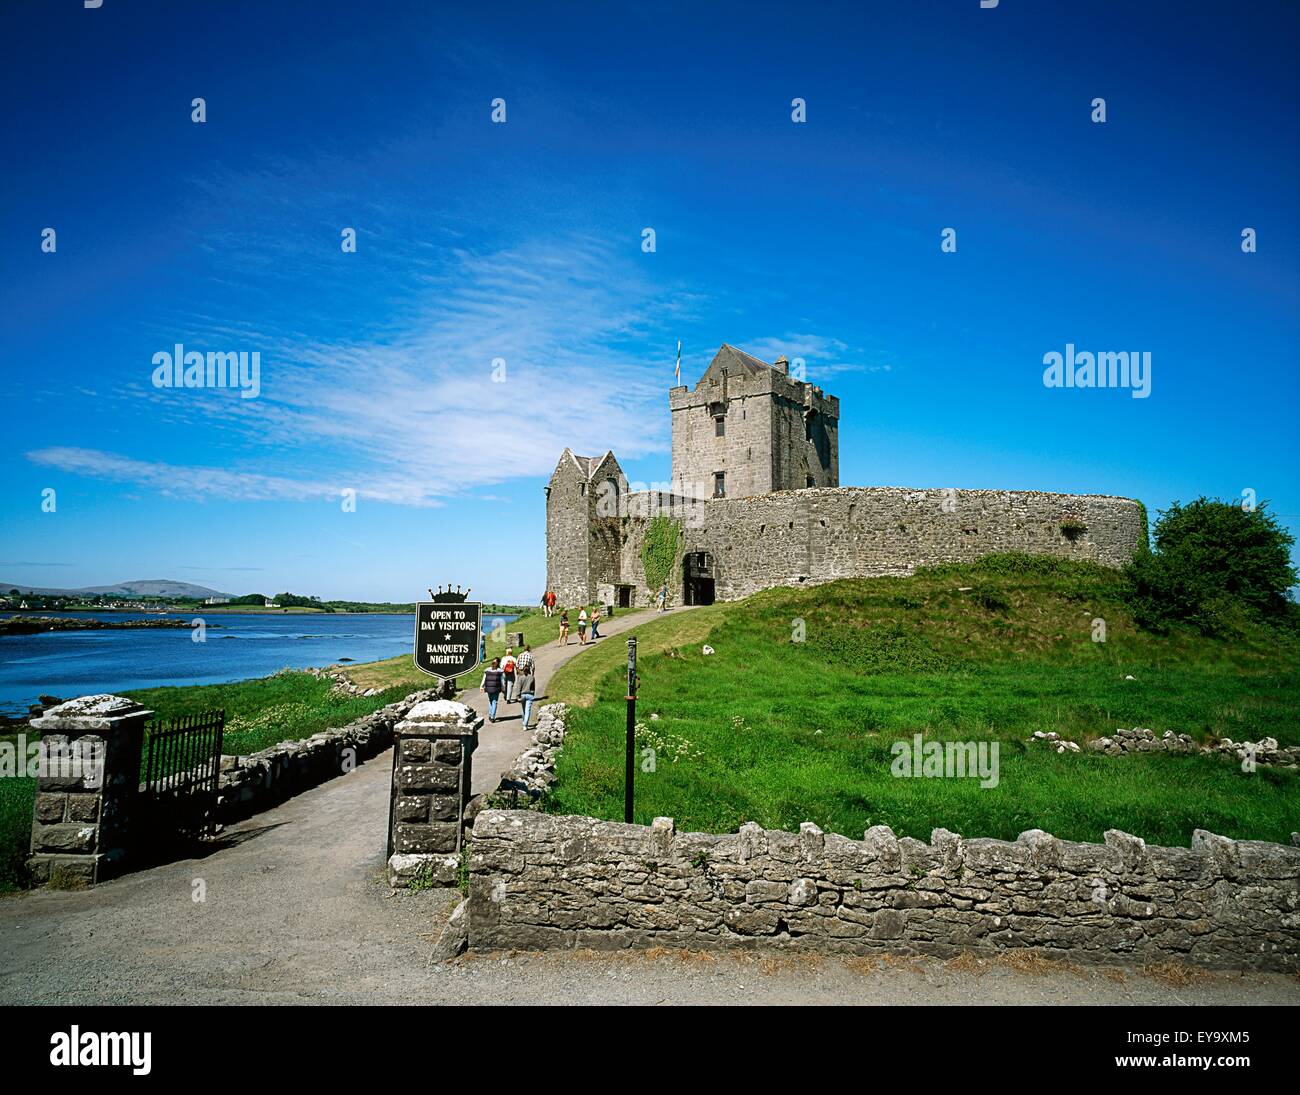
{"type": "Point", "coordinates": [750, 428]}
{"type": "Point", "coordinates": [755, 491]}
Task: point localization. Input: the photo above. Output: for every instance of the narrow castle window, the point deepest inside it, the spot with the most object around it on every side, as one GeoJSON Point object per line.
{"type": "Point", "coordinates": [720, 426]}
{"type": "Point", "coordinates": [719, 484]}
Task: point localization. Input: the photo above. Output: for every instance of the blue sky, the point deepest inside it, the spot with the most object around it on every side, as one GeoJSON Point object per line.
{"type": "Point", "coordinates": [522, 241]}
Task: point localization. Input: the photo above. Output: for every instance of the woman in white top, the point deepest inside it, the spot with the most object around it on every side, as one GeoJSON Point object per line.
{"type": "Point", "coordinates": [582, 627]}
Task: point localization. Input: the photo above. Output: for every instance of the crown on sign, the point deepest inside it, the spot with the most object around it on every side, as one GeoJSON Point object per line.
{"type": "Point", "coordinates": [443, 596]}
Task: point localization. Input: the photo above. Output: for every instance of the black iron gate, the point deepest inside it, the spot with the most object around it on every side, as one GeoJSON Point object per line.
{"type": "Point", "coordinates": [181, 774]}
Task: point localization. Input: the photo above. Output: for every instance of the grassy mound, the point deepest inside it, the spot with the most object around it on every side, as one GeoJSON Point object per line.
{"type": "Point", "coordinates": [793, 718]}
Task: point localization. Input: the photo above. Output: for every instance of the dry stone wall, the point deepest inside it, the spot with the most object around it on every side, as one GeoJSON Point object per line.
{"type": "Point", "coordinates": [539, 881]}
{"type": "Point", "coordinates": [257, 781]}
{"type": "Point", "coordinates": [533, 771]}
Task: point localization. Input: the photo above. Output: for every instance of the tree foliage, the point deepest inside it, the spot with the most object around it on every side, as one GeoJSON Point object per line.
{"type": "Point", "coordinates": [1213, 561]}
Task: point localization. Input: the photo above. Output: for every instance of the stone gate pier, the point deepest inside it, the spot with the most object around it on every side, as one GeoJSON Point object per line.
{"type": "Point", "coordinates": [433, 750]}
{"type": "Point", "coordinates": [86, 787]}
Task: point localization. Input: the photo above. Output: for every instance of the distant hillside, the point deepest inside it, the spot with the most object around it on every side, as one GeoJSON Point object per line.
{"type": "Point", "coordinates": [147, 587]}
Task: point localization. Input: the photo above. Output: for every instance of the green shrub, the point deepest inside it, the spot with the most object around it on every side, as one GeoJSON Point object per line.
{"type": "Point", "coordinates": [1214, 566]}
{"type": "Point", "coordinates": [1144, 541]}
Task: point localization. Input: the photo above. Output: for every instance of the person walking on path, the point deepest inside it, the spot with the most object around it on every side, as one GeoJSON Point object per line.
{"type": "Point", "coordinates": [582, 627]}
{"type": "Point", "coordinates": [525, 663]}
{"type": "Point", "coordinates": [595, 623]}
{"type": "Point", "coordinates": [662, 596]}
{"type": "Point", "coordinates": [508, 669]}
{"type": "Point", "coordinates": [548, 603]}
{"type": "Point", "coordinates": [526, 687]}
{"type": "Point", "coordinates": [493, 680]}
{"type": "Point", "coordinates": [564, 628]}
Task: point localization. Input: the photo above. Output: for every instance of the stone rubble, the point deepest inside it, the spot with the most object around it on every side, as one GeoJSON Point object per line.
{"type": "Point", "coordinates": [1051, 737]}
{"type": "Point", "coordinates": [1144, 740]}
{"type": "Point", "coordinates": [1141, 739]}
{"type": "Point", "coordinates": [454, 937]}
{"type": "Point", "coordinates": [534, 768]}
{"type": "Point", "coordinates": [343, 685]}
{"type": "Point", "coordinates": [1265, 751]}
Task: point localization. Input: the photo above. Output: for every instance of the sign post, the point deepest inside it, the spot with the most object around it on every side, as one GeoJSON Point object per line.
{"type": "Point", "coordinates": [630, 778]}
{"type": "Point", "coordinates": [448, 634]}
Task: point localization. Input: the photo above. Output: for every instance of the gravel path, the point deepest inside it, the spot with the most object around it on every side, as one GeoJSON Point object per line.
{"type": "Point", "coordinates": [500, 742]}
{"type": "Point", "coordinates": [296, 909]}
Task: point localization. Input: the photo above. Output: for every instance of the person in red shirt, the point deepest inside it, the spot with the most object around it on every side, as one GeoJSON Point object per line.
{"type": "Point", "coordinates": [508, 669]}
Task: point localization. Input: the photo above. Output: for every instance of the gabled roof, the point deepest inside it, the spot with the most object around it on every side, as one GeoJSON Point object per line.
{"type": "Point", "coordinates": [589, 465]}
{"type": "Point", "coordinates": [734, 359]}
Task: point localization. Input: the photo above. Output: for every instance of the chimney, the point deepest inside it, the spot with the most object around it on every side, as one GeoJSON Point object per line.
{"type": "Point", "coordinates": [782, 365]}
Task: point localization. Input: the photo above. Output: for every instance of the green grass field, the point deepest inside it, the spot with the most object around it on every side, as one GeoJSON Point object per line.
{"type": "Point", "coordinates": [777, 731]}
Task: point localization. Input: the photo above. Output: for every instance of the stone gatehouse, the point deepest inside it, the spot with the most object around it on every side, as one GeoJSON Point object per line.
{"type": "Point", "coordinates": [755, 488]}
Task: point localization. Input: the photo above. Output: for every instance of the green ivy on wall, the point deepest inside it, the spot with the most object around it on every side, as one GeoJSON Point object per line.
{"type": "Point", "coordinates": [1144, 536]}
{"type": "Point", "coordinates": [659, 549]}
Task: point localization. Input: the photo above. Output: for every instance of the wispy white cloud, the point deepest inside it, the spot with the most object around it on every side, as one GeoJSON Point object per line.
{"type": "Point", "coordinates": [412, 414]}
{"type": "Point", "coordinates": [182, 482]}
{"type": "Point", "coordinates": [823, 356]}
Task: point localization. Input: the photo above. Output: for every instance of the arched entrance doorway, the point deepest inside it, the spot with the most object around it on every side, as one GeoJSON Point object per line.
{"type": "Point", "coordinates": [697, 578]}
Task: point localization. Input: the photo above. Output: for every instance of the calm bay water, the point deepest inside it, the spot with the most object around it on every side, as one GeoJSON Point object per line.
{"type": "Point", "coordinates": [78, 663]}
